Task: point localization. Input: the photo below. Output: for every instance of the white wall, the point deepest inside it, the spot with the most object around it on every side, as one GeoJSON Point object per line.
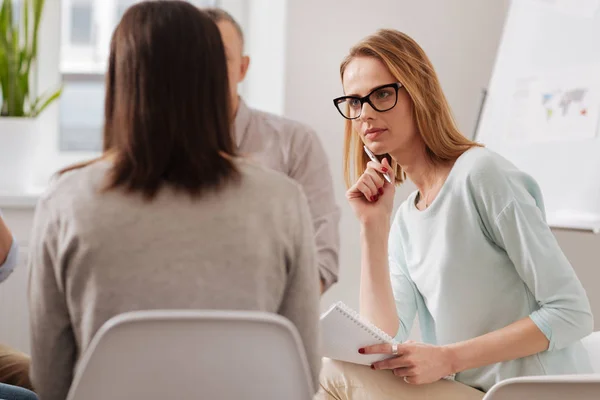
{"type": "Point", "coordinates": [460, 37]}
{"type": "Point", "coordinates": [267, 54]}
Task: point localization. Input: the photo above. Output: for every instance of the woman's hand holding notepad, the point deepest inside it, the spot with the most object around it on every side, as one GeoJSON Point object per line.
{"type": "Point", "coordinates": [343, 332]}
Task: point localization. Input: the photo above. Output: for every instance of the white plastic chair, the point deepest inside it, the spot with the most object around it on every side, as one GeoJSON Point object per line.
{"type": "Point", "coordinates": [158, 355]}
{"type": "Point", "coordinates": [554, 387]}
{"type": "Point", "coordinates": [558, 387]}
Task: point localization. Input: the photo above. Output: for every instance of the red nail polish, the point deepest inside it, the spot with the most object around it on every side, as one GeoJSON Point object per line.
{"type": "Point", "coordinates": [380, 191]}
{"type": "Point", "coordinates": [384, 169]}
{"type": "Point", "coordinates": [373, 198]}
{"type": "Point", "coordinates": [372, 366]}
{"type": "Point", "coordinates": [361, 351]}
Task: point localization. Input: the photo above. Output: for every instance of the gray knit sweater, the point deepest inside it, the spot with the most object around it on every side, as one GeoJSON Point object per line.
{"type": "Point", "coordinates": [248, 246]}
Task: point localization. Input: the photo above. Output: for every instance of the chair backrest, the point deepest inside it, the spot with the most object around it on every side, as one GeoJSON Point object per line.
{"type": "Point", "coordinates": [158, 355]}
{"type": "Point", "coordinates": [592, 345]}
{"type": "Point", "coordinates": [559, 387]}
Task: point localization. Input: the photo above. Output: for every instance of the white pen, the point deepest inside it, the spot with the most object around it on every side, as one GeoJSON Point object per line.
{"type": "Point", "coordinates": [374, 159]}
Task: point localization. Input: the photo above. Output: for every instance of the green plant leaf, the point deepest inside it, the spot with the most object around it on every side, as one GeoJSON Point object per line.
{"type": "Point", "coordinates": [48, 99]}
{"type": "Point", "coordinates": [9, 95]}
{"type": "Point", "coordinates": [3, 57]}
{"type": "Point", "coordinates": [3, 74]}
{"type": "Point", "coordinates": [18, 54]}
{"type": "Point", "coordinates": [38, 7]}
{"type": "Point", "coordinates": [26, 25]}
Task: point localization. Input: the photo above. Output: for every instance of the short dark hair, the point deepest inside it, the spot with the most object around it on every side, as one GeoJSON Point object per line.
{"type": "Point", "coordinates": [218, 15]}
{"type": "Point", "coordinates": [167, 110]}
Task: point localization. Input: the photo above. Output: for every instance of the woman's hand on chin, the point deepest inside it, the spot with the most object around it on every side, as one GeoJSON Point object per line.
{"type": "Point", "coordinates": [372, 197]}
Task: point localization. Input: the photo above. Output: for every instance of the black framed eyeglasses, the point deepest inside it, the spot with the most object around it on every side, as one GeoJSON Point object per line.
{"type": "Point", "coordinates": [382, 98]}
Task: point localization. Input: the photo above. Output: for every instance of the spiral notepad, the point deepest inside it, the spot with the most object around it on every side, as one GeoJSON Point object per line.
{"type": "Point", "coordinates": [344, 331]}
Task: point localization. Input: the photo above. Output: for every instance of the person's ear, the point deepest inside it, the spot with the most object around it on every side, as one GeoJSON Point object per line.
{"type": "Point", "coordinates": [244, 67]}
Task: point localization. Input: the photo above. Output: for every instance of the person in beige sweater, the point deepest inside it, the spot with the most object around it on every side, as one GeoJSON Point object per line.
{"type": "Point", "coordinates": [284, 145]}
{"type": "Point", "coordinates": [169, 217]}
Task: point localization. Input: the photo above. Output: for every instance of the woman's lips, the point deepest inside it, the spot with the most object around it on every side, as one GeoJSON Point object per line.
{"type": "Point", "coordinates": [373, 133]}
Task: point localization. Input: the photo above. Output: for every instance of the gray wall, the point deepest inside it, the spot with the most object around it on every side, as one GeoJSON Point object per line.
{"type": "Point", "coordinates": [583, 250]}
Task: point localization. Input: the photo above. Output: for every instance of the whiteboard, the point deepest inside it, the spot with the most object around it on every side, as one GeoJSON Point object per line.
{"type": "Point", "coordinates": [538, 37]}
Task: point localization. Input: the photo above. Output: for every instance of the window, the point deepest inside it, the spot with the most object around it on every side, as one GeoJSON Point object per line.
{"type": "Point", "coordinates": [87, 27]}
{"type": "Point", "coordinates": [81, 112]}
{"type": "Point", "coordinates": [81, 24]}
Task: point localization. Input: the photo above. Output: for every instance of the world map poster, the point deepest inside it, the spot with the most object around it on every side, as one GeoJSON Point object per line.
{"type": "Point", "coordinates": [563, 105]}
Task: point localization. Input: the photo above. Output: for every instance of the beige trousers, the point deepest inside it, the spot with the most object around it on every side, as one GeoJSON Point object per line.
{"type": "Point", "coordinates": [345, 381]}
{"type": "Point", "coordinates": [14, 368]}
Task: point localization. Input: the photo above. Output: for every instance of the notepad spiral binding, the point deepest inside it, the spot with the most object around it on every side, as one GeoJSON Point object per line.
{"type": "Point", "coordinates": [366, 325]}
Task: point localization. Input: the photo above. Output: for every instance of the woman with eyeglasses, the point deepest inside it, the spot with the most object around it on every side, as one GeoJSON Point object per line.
{"type": "Point", "coordinates": [170, 217]}
{"type": "Point", "coordinates": [469, 252]}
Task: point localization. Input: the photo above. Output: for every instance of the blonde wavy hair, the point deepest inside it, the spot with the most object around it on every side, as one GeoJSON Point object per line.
{"type": "Point", "coordinates": [409, 65]}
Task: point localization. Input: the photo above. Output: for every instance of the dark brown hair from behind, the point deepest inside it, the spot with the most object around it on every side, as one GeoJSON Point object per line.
{"type": "Point", "coordinates": [167, 117]}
